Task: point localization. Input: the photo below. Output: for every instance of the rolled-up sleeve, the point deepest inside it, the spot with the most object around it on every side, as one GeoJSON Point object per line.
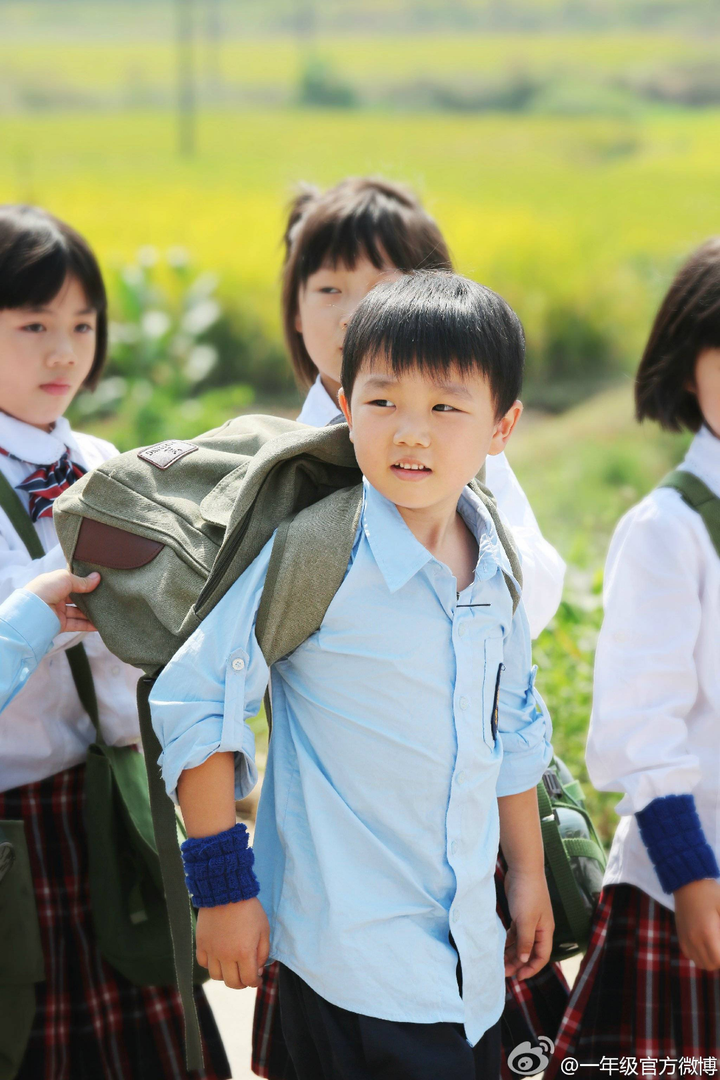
{"type": "Point", "coordinates": [213, 685]}
{"type": "Point", "coordinates": [524, 725]}
{"type": "Point", "coordinates": [27, 627]}
{"type": "Point", "coordinates": [645, 672]}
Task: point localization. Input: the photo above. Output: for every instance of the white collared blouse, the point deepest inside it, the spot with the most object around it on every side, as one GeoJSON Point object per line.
{"type": "Point", "coordinates": [45, 729]}
{"type": "Point", "coordinates": [543, 568]}
{"type": "Point", "coordinates": [655, 727]}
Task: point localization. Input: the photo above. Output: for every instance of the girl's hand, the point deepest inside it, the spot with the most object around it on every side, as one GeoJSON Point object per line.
{"type": "Point", "coordinates": [529, 939]}
{"type": "Point", "coordinates": [233, 942]}
{"type": "Point", "coordinates": [55, 588]}
{"type": "Point", "coordinates": [697, 917]}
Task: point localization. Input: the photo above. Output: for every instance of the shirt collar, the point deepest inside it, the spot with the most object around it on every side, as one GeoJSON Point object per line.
{"type": "Point", "coordinates": [400, 555]}
{"type": "Point", "coordinates": [703, 459]}
{"type": "Point", "coordinates": [30, 444]}
{"type": "Point", "coordinates": [319, 409]}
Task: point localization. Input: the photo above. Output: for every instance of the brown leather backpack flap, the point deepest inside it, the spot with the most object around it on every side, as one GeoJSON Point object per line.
{"type": "Point", "coordinates": [115, 549]}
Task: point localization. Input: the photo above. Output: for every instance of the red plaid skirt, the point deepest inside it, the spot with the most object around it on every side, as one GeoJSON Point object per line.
{"type": "Point", "coordinates": [636, 995]}
{"type": "Point", "coordinates": [533, 1007]}
{"type": "Point", "coordinates": [91, 1023]}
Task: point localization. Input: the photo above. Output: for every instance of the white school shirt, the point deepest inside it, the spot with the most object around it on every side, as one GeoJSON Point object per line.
{"type": "Point", "coordinates": [543, 568]}
{"type": "Point", "coordinates": [45, 729]}
{"type": "Point", "coordinates": [655, 726]}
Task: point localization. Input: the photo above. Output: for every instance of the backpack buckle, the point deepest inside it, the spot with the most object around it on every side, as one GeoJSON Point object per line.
{"type": "Point", "coordinates": [552, 784]}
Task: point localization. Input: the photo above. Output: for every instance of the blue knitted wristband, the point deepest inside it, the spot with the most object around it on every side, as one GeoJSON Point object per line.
{"type": "Point", "coordinates": [218, 869]}
{"type": "Point", "coordinates": [673, 835]}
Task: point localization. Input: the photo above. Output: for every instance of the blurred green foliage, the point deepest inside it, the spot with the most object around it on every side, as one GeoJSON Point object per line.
{"type": "Point", "coordinates": [177, 364]}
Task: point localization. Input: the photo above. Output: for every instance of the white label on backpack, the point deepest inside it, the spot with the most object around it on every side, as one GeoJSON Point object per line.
{"type": "Point", "coordinates": [165, 454]}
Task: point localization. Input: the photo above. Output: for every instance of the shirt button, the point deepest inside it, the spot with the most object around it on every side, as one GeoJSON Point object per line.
{"type": "Point", "coordinates": [117, 670]}
{"type": "Point", "coordinates": [453, 847]}
{"type": "Point", "coordinates": [464, 703]}
{"type": "Point", "coordinates": [455, 915]}
{"type": "Point", "coordinates": [460, 778]}
{"type": "Point", "coordinates": [238, 664]}
{"type": "Point", "coordinates": [461, 629]}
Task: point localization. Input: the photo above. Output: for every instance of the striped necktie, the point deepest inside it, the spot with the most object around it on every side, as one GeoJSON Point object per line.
{"type": "Point", "coordinates": [47, 482]}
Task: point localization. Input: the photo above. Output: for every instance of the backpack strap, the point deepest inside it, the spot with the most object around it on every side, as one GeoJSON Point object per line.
{"type": "Point", "coordinates": [556, 855]}
{"type": "Point", "coordinates": [698, 496]}
{"type": "Point", "coordinates": [309, 559]}
{"type": "Point", "coordinates": [177, 897]}
{"type": "Point", "coordinates": [76, 656]}
{"type": "Point", "coordinates": [514, 582]}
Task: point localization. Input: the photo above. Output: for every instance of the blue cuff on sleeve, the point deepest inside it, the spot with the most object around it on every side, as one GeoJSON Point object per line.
{"type": "Point", "coordinates": [673, 835]}
{"type": "Point", "coordinates": [219, 869]}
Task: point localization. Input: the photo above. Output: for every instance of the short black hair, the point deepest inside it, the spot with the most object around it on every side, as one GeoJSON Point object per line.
{"type": "Point", "coordinates": [37, 253]}
{"type": "Point", "coordinates": [687, 323]}
{"type": "Point", "coordinates": [434, 321]}
{"type": "Point", "coordinates": [360, 216]}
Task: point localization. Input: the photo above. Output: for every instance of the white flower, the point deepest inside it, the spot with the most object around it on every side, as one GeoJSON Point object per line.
{"type": "Point", "coordinates": [147, 256]}
{"type": "Point", "coordinates": [178, 257]}
{"type": "Point", "coordinates": [201, 361]}
{"type": "Point", "coordinates": [200, 317]}
{"type": "Point", "coordinates": [155, 323]}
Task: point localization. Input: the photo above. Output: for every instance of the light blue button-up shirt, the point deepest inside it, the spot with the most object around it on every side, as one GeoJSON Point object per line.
{"type": "Point", "coordinates": [27, 628]}
{"type": "Point", "coordinates": [377, 830]}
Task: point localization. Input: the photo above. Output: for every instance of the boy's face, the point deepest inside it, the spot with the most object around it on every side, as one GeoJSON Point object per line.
{"type": "Point", "coordinates": [419, 440]}
{"type": "Point", "coordinates": [46, 355]}
{"type": "Point", "coordinates": [326, 304]}
{"type": "Point", "coordinates": [707, 387]}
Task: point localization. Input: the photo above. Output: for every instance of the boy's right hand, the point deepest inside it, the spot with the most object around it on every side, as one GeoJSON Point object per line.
{"type": "Point", "coordinates": [697, 917]}
{"type": "Point", "coordinates": [233, 942]}
{"type": "Point", "coordinates": [55, 588]}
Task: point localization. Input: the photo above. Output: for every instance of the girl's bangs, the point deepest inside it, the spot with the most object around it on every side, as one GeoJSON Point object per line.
{"type": "Point", "coordinates": [37, 282]}
{"type": "Point", "coordinates": [343, 243]}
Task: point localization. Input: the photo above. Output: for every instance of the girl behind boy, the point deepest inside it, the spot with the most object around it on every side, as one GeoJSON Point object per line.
{"type": "Point", "coordinates": [649, 985]}
{"type": "Point", "coordinates": [338, 245]}
{"type": "Point", "coordinates": [90, 1021]}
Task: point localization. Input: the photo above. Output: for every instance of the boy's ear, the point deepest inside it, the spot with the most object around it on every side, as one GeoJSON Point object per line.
{"type": "Point", "coordinates": [345, 406]}
{"type": "Point", "coordinates": [505, 427]}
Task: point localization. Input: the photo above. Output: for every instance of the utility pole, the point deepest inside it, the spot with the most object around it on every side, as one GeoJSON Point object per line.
{"type": "Point", "coordinates": [213, 38]}
{"type": "Point", "coordinates": [185, 77]}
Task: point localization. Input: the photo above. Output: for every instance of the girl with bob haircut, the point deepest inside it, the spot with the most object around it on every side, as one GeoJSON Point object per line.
{"type": "Point", "coordinates": [649, 985]}
{"type": "Point", "coordinates": [89, 1020]}
{"type": "Point", "coordinates": [339, 244]}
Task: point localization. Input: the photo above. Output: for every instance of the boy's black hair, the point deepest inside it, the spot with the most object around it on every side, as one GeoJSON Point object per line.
{"type": "Point", "coordinates": [37, 253]}
{"type": "Point", "coordinates": [359, 216]}
{"type": "Point", "coordinates": [688, 322]}
{"type": "Point", "coordinates": [436, 321]}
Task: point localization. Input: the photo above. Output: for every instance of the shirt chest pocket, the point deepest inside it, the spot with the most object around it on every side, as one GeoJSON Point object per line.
{"type": "Point", "coordinates": [492, 675]}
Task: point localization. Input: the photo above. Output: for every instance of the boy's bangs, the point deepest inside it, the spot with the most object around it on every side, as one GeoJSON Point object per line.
{"type": "Point", "coordinates": [435, 323]}
{"type": "Point", "coordinates": [433, 350]}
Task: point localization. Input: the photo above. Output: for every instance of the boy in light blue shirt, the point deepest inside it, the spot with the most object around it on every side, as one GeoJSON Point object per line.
{"type": "Point", "coordinates": [29, 620]}
{"type": "Point", "coordinates": [408, 737]}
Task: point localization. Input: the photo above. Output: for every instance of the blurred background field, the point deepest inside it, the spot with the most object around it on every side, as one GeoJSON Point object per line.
{"type": "Point", "coordinates": [568, 148]}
